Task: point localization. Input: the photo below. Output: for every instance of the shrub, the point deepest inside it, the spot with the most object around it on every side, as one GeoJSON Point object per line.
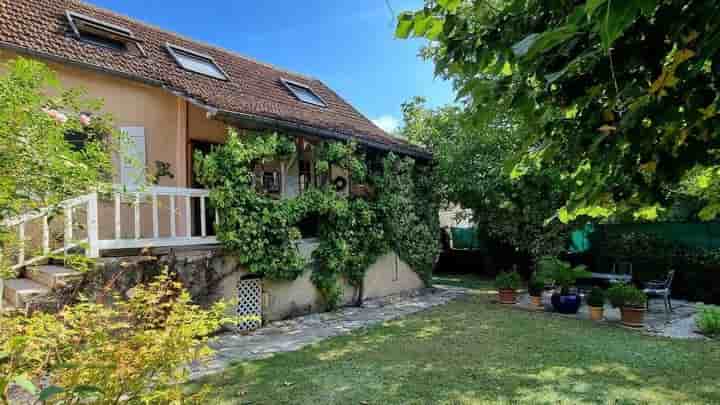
{"type": "Point", "coordinates": [708, 319]}
{"type": "Point", "coordinates": [536, 286]}
{"type": "Point", "coordinates": [509, 280]}
{"type": "Point", "coordinates": [563, 273]}
{"type": "Point", "coordinates": [626, 295]}
{"type": "Point", "coordinates": [136, 351]}
{"type": "Point", "coordinates": [596, 298]}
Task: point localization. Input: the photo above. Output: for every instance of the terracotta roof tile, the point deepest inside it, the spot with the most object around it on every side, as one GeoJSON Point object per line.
{"type": "Point", "coordinates": [255, 88]}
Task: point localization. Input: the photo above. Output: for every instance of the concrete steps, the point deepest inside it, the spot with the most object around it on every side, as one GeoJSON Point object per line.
{"type": "Point", "coordinates": [53, 276]}
{"type": "Point", "coordinates": [40, 282]}
{"type": "Point", "coordinates": [19, 291]}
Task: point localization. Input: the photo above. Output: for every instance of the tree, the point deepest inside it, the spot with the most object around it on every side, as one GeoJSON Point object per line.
{"type": "Point", "coordinates": [473, 162]}
{"type": "Point", "coordinates": [39, 167]}
{"type": "Point", "coordinates": [622, 94]}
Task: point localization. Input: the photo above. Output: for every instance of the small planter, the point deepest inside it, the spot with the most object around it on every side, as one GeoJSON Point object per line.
{"type": "Point", "coordinates": [596, 313]}
{"type": "Point", "coordinates": [507, 296]}
{"type": "Point", "coordinates": [633, 317]}
{"type": "Point", "coordinates": [536, 301]}
{"type": "Point", "coordinates": [566, 304]}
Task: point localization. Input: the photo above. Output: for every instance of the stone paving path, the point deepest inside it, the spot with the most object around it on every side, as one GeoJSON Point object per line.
{"type": "Point", "coordinates": [294, 334]}
{"type": "Point", "coordinates": [678, 324]}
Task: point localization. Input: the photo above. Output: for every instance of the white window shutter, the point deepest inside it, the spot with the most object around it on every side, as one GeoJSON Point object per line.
{"type": "Point", "coordinates": [132, 171]}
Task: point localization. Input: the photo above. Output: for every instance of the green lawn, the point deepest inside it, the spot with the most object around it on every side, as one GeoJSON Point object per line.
{"type": "Point", "coordinates": [472, 351]}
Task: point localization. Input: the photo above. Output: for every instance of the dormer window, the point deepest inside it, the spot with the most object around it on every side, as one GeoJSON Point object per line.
{"type": "Point", "coordinates": [304, 93]}
{"type": "Point", "coordinates": [91, 30]}
{"type": "Point", "coordinates": [196, 62]}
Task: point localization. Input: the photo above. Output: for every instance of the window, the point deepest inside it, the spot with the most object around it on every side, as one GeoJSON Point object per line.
{"type": "Point", "coordinates": [304, 175]}
{"type": "Point", "coordinates": [271, 182]}
{"type": "Point", "coordinates": [196, 62]}
{"type": "Point", "coordinates": [304, 93]}
{"type": "Point", "coordinates": [100, 33]}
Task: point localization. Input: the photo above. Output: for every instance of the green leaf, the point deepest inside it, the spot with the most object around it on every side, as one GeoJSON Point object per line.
{"type": "Point", "coordinates": [523, 47]}
{"type": "Point", "coordinates": [23, 382]}
{"type": "Point", "coordinates": [49, 392]}
{"type": "Point", "coordinates": [421, 24]}
{"type": "Point", "coordinates": [507, 69]}
{"type": "Point", "coordinates": [649, 213]}
{"type": "Point", "coordinates": [86, 391]}
{"type": "Point", "coordinates": [592, 5]}
{"type": "Point", "coordinates": [405, 24]}
{"type": "Point", "coordinates": [449, 5]}
{"type": "Point", "coordinates": [613, 23]}
{"type": "Point", "coordinates": [436, 28]}
{"type": "Point", "coordinates": [709, 212]}
{"type": "Point", "coordinates": [535, 44]}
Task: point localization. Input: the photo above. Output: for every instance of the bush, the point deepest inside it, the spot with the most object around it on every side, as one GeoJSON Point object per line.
{"type": "Point", "coordinates": [596, 298]}
{"type": "Point", "coordinates": [136, 351]}
{"type": "Point", "coordinates": [563, 273]}
{"type": "Point", "coordinates": [509, 280]}
{"type": "Point", "coordinates": [626, 295]}
{"type": "Point", "coordinates": [536, 286]}
{"type": "Point", "coordinates": [708, 319]}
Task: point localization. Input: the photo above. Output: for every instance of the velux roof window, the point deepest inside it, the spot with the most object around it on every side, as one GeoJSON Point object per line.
{"type": "Point", "coordinates": [101, 33]}
{"type": "Point", "coordinates": [196, 62]}
{"type": "Point", "coordinates": [304, 93]}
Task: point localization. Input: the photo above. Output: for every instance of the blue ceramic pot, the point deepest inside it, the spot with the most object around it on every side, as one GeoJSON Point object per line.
{"type": "Point", "coordinates": [566, 304]}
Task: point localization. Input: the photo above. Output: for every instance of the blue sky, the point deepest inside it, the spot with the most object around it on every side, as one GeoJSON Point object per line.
{"type": "Point", "coordinates": [348, 44]}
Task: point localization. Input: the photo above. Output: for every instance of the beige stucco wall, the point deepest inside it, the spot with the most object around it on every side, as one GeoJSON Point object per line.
{"type": "Point", "coordinates": [390, 275]}
{"type": "Point", "coordinates": [287, 299]}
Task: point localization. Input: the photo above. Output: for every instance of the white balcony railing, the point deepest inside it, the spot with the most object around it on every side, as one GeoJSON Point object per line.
{"type": "Point", "coordinates": [99, 222]}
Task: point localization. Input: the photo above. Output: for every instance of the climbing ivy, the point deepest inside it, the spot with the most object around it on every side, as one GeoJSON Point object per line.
{"type": "Point", "coordinates": [262, 231]}
{"type": "Point", "coordinates": [408, 202]}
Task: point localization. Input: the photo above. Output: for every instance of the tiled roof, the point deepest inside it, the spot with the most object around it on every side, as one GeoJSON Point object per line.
{"type": "Point", "coordinates": [254, 89]}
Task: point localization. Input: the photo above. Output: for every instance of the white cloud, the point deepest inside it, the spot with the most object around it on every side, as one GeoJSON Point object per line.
{"type": "Point", "coordinates": [387, 122]}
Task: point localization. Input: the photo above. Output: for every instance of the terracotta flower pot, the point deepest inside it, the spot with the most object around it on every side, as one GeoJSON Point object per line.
{"type": "Point", "coordinates": [596, 313]}
{"type": "Point", "coordinates": [507, 296]}
{"type": "Point", "coordinates": [536, 301]}
{"type": "Point", "coordinates": [633, 316]}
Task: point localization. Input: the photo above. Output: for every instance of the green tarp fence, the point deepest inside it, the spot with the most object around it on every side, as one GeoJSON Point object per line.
{"type": "Point", "coordinates": [703, 235]}
{"type": "Point", "coordinates": [466, 238]}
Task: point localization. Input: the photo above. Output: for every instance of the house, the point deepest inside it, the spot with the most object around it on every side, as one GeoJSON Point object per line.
{"type": "Point", "coordinates": [174, 96]}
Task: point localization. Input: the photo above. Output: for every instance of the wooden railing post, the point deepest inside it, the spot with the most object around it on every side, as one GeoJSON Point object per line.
{"type": "Point", "coordinates": [188, 218]}
{"type": "Point", "coordinates": [92, 226]}
{"type": "Point", "coordinates": [118, 220]}
{"type": "Point", "coordinates": [45, 236]}
{"type": "Point", "coordinates": [67, 239]}
{"type": "Point", "coordinates": [203, 220]}
{"type": "Point", "coordinates": [21, 244]}
{"type": "Point", "coordinates": [156, 224]}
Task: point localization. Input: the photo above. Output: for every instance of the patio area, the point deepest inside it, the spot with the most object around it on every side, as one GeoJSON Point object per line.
{"type": "Point", "coordinates": [679, 324]}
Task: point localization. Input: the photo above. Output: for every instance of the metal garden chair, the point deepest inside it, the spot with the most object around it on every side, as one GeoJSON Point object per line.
{"type": "Point", "coordinates": [660, 288]}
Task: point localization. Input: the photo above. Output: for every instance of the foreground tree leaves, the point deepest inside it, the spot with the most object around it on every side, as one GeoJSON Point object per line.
{"type": "Point", "coordinates": [621, 96]}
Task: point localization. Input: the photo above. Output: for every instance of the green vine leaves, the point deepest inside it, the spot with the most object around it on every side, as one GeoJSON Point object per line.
{"type": "Point", "coordinates": [353, 233]}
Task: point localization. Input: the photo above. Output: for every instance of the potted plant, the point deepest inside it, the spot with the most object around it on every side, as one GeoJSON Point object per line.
{"type": "Point", "coordinates": [507, 284]}
{"type": "Point", "coordinates": [565, 275]}
{"type": "Point", "coordinates": [535, 289]}
{"type": "Point", "coordinates": [596, 302]}
{"type": "Point", "coordinates": [631, 302]}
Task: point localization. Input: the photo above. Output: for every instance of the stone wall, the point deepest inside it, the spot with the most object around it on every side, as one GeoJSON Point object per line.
{"type": "Point", "coordinates": [212, 275]}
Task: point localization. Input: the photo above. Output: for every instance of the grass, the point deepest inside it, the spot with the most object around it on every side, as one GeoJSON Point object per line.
{"type": "Point", "coordinates": [473, 351]}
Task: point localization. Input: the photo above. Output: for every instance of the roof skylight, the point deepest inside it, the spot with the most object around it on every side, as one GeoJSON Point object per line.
{"type": "Point", "coordinates": [304, 93]}
{"type": "Point", "coordinates": [196, 62]}
{"type": "Point", "coordinates": [101, 33]}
